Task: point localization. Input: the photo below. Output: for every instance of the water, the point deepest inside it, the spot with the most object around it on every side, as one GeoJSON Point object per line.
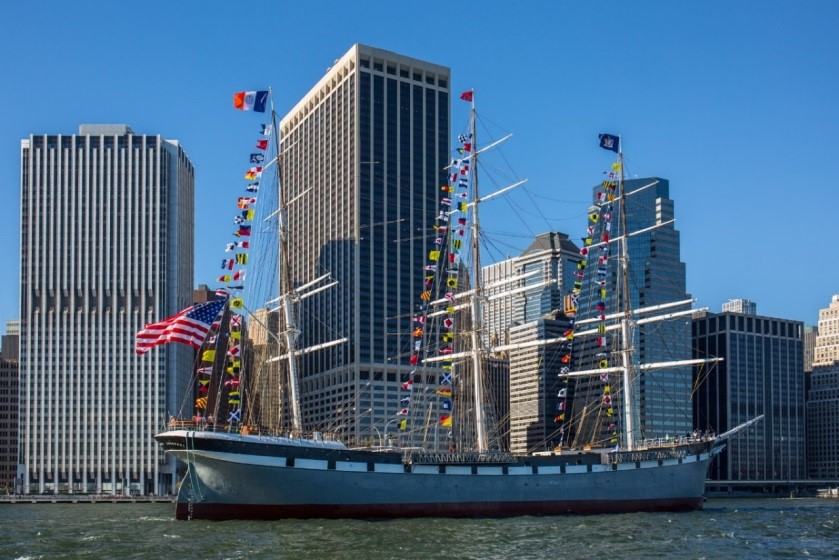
{"type": "Point", "coordinates": [742, 529]}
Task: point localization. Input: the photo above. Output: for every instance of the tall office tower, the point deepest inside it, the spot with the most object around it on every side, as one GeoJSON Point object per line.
{"type": "Point", "coordinates": [745, 306]}
{"type": "Point", "coordinates": [657, 276]}
{"type": "Point", "coordinates": [826, 350]}
{"type": "Point", "coordinates": [106, 247]}
{"type": "Point", "coordinates": [547, 265]}
{"type": "Point", "coordinates": [823, 423]}
{"type": "Point", "coordinates": [762, 372]}
{"type": "Point", "coordinates": [365, 157]}
{"type": "Point", "coordinates": [9, 400]}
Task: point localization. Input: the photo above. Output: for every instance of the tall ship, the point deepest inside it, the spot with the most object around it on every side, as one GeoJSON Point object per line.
{"type": "Point", "coordinates": [446, 458]}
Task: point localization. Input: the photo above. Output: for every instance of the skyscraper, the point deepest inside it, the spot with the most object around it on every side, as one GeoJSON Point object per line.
{"type": "Point", "coordinates": [365, 158]}
{"type": "Point", "coordinates": [762, 372]}
{"type": "Point", "coordinates": [106, 247]}
{"type": "Point", "coordinates": [656, 276]}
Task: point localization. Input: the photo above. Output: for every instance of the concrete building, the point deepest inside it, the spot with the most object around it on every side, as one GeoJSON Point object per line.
{"type": "Point", "coordinates": [762, 372]}
{"type": "Point", "coordinates": [826, 349]}
{"type": "Point", "coordinates": [106, 247]}
{"type": "Point", "coordinates": [745, 306]}
{"type": "Point", "coordinates": [810, 334]}
{"type": "Point", "coordinates": [366, 154]}
{"type": "Point", "coordinates": [535, 385]}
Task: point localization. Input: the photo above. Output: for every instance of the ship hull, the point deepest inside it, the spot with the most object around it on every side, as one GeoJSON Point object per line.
{"type": "Point", "coordinates": [248, 477]}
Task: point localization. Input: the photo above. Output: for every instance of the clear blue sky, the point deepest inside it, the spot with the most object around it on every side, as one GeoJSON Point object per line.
{"type": "Point", "coordinates": [734, 102]}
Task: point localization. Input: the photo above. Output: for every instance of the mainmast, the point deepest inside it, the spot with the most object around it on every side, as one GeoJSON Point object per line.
{"type": "Point", "coordinates": [626, 318]}
{"type": "Point", "coordinates": [474, 300]}
{"type": "Point", "coordinates": [286, 293]}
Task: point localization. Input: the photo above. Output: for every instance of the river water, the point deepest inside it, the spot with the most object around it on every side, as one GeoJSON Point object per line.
{"type": "Point", "coordinates": [726, 528]}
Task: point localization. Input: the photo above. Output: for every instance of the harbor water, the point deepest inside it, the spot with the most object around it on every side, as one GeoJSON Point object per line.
{"type": "Point", "coordinates": [726, 528]}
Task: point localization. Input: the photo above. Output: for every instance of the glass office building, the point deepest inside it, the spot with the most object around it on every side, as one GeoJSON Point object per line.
{"type": "Point", "coordinates": [762, 372]}
{"type": "Point", "coordinates": [656, 276]}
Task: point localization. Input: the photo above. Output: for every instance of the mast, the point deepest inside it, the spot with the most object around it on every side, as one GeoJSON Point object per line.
{"type": "Point", "coordinates": [626, 348]}
{"type": "Point", "coordinates": [474, 300]}
{"type": "Point", "coordinates": [286, 293]}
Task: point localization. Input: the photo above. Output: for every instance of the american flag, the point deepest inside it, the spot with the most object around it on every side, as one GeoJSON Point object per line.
{"type": "Point", "coordinates": [190, 327]}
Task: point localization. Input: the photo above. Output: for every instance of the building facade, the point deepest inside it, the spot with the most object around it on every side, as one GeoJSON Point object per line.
{"type": "Point", "coordinates": [9, 406]}
{"type": "Point", "coordinates": [367, 151]}
{"type": "Point", "coordinates": [535, 386]}
{"type": "Point", "coordinates": [10, 342]}
{"type": "Point", "coordinates": [826, 349]}
{"type": "Point", "coordinates": [762, 372]}
{"type": "Point", "coordinates": [823, 423]}
{"type": "Point", "coordinates": [740, 306]}
{"type": "Point", "coordinates": [810, 334]}
{"type": "Point", "coordinates": [656, 276]}
{"type": "Point", "coordinates": [106, 247]}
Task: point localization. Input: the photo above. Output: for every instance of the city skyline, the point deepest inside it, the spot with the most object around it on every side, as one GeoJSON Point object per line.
{"type": "Point", "coordinates": [730, 104]}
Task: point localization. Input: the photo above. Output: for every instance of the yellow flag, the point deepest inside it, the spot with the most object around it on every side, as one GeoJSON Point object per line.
{"type": "Point", "coordinates": [208, 356]}
{"type": "Point", "coordinates": [237, 303]}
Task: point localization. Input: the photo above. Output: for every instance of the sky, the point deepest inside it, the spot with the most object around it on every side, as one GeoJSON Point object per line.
{"type": "Point", "coordinates": [733, 102]}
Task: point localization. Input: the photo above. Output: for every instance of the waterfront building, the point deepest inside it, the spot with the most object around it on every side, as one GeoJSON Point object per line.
{"type": "Point", "coordinates": [9, 395]}
{"type": "Point", "coordinates": [106, 247]}
{"type": "Point", "coordinates": [823, 423]}
{"type": "Point", "coordinates": [826, 349]}
{"type": "Point", "coordinates": [762, 372]}
{"type": "Point", "coordinates": [657, 276]}
{"type": "Point", "coordinates": [366, 151]}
